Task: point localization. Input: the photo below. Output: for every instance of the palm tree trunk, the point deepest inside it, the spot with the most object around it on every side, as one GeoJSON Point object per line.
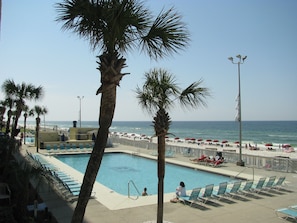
{"type": "Point", "coordinates": [161, 174]}
{"type": "Point", "coordinates": [110, 67]}
{"type": "Point", "coordinates": [25, 126]}
{"type": "Point", "coordinates": [37, 133]}
{"type": "Point", "coordinates": [9, 113]}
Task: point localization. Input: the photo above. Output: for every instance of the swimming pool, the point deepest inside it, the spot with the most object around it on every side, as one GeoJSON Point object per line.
{"type": "Point", "coordinates": [117, 169]}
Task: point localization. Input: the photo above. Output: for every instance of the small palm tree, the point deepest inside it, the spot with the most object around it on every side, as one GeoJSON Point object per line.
{"type": "Point", "coordinates": [27, 112]}
{"type": "Point", "coordinates": [115, 27]}
{"type": "Point", "coordinates": [20, 93]}
{"type": "Point", "coordinates": [39, 111]}
{"type": "Point", "coordinates": [158, 94]}
{"type": "Point", "coordinates": [2, 112]}
{"type": "Point", "coordinates": [9, 104]}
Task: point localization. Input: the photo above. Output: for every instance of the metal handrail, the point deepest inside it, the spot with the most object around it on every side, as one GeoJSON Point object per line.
{"type": "Point", "coordinates": [243, 171]}
{"type": "Point", "coordinates": [132, 182]}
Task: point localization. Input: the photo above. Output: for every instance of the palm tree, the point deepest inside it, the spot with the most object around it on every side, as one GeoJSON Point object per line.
{"type": "Point", "coordinates": [159, 93]}
{"type": "Point", "coordinates": [2, 112]}
{"type": "Point", "coordinates": [9, 104]}
{"type": "Point", "coordinates": [19, 93]}
{"type": "Point", "coordinates": [115, 27]}
{"type": "Point", "coordinates": [27, 112]}
{"type": "Point", "coordinates": [39, 111]}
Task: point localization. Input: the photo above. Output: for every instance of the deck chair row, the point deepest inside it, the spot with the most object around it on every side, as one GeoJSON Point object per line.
{"type": "Point", "coordinates": [236, 188]}
{"type": "Point", "coordinates": [68, 147]}
{"type": "Point", "coordinates": [65, 183]}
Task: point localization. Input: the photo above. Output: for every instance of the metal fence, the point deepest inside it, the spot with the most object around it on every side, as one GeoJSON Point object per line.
{"type": "Point", "coordinates": [277, 163]}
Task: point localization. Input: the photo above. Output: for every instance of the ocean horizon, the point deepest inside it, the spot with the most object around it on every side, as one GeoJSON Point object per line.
{"type": "Point", "coordinates": [261, 132]}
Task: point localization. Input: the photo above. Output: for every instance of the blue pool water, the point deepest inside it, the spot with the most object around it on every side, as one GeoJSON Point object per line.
{"type": "Point", "coordinates": [117, 169]}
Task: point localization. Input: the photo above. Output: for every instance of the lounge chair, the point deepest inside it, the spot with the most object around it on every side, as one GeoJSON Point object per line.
{"type": "Point", "coordinates": [221, 191]}
{"type": "Point", "coordinates": [269, 184]}
{"type": "Point", "coordinates": [207, 193]}
{"type": "Point", "coordinates": [48, 148]}
{"type": "Point", "coordinates": [193, 198]}
{"type": "Point", "coordinates": [285, 213]}
{"type": "Point", "coordinates": [259, 186]}
{"type": "Point", "coordinates": [247, 187]}
{"type": "Point", "coordinates": [218, 162]}
{"type": "Point", "coordinates": [279, 183]}
{"type": "Point", "coordinates": [68, 146]}
{"type": "Point", "coordinates": [5, 192]}
{"type": "Point", "coordinates": [62, 147]}
{"type": "Point", "coordinates": [202, 158]}
{"type": "Point", "coordinates": [234, 190]}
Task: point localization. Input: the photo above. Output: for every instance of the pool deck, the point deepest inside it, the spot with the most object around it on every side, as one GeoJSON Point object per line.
{"type": "Point", "coordinates": [110, 207]}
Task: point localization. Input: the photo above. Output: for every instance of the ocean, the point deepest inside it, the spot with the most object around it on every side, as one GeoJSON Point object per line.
{"type": "Point", "coordinates": [261, 132]}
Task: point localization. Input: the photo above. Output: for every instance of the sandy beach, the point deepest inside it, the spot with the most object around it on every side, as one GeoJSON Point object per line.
{"type": "Point", "coordinates": [247, 147]}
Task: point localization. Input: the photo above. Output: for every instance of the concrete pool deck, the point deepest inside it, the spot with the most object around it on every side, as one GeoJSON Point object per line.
{"type": "Point", "coordinates": [254, 208]}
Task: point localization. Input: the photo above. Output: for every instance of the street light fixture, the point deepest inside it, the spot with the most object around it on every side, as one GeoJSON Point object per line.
{"type": "Point", "coordinates": [80, 98]}
{"type": "Point", "coordinates": [241, 60]}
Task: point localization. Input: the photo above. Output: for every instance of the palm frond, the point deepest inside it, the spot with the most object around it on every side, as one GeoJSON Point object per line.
{"type": "Point", "coordinates": [167, 35]}
{"type": "Point", "coordinates": [194, 95]}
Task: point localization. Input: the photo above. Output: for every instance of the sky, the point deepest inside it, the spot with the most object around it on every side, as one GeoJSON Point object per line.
{"type": "Point", "coordinates": [34, 49]}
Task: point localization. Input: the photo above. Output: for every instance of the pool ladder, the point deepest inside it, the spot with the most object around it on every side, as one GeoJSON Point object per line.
{"type": "Point", "coordinates": [131, 182]}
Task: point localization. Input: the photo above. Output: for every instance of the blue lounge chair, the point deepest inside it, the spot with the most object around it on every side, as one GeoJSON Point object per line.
{"type": "Point", "coordinates": [259, 186]}
{"type": "Point", "coordinates": [234, 190]}
{"type": "Point", "coordinates": [81, 147]}
{"type": "Point", "coordinates": [193, 198]}
{"type": "Point", "coordinates": [221, 191]}
{"type": "Point", "coordinates": [207, 193]}
{"type": "Point", "coordinates": [269, 184]}
{"type": "Point", "coordinates": [247, 187]}
{"type": "Point", "coordinates": [68, 146]}
{"type": "Point", "coordinates": [55, 147]}
{"type": "Point", "coordinates": [48, 148]}
{"type": "Point", "coordinates": [285, 213]}
{"type": "Point", "coordinates": [62, 147]}
{"type": "Point", "coordinates": [279, 183]}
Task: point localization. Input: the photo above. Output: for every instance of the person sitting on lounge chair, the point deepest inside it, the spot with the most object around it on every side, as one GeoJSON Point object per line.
{"type": "Point", "coordinates": [218, 162]}
{"type": "Point", "coordinates": [181, 189]}
{"type": "Point", "coordinates": [180, 192]}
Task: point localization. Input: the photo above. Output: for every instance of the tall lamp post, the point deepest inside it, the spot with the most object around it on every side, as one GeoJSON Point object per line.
{"type": "Point", "coordinates": [240, 61]}
{"type": "Point", "coordinates": [80, 98]}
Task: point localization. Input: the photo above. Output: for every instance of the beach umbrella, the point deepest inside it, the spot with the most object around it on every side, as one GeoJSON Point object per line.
{"type": "Point", "coordinates": [199, 140]}
{"type": "Point", "coordinates": [208, 140]}
{"type": "Point", "coordinates": [286, 145]}
{"type": "Point", "coordinates": [268, 144]}
{"type": "Point", "coordinates": [215, 140]}
{"type": "Point", "coordinates": [237, 142]}
{"type": "Point", "coordinates": [224, 141]}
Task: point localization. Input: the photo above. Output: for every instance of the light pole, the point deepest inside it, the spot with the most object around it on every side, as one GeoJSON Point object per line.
{"type": "Point", "coordinates": [80, 98]}
{"type": "Point", "coordinates": [240, 61]}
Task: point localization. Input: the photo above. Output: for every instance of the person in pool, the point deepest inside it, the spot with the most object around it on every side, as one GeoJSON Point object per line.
{"type": "Point", "coordinates": [144, 193]}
